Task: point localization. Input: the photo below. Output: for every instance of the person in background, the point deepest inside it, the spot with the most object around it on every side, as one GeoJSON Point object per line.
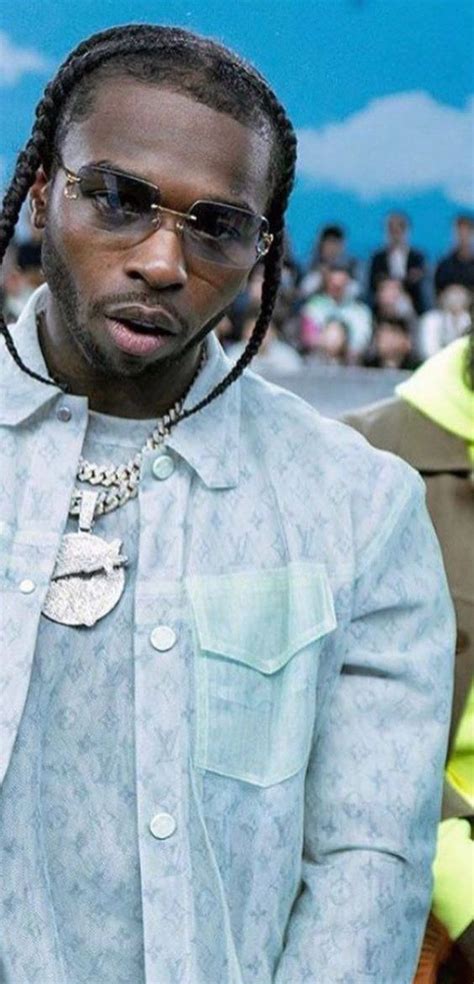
{"type": "Point", "coordinates": [446, 322]}
{"type": "Point", "coordinates": [330, 248]}
{"type": "Point", "coordinates": [335, 301]}
{"type": "Point", "coordinates": [392, 345]}
{"type": "Point", "coordinates": [458, 266]}
{"type": "Point", "coordinates": [22, 275]}
{"type": "Point", "coordinates": [226, 332]}
{"type": "Point", "coordinates": [430, 423]}
{"type": "Point", "coordinates": [333, 343]}
{"type": "Point", "coordinates": [274, 354]}
{"type": "Point", "coordinates": [401, 262]}
{"type": "Point", "coordinates": [391, 298]}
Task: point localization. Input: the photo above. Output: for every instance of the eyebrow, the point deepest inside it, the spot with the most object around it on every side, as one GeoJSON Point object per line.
{"type": "Point", "coordinates": [235, 203]}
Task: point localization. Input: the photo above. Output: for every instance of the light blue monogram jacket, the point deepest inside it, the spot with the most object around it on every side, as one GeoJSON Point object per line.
{"type": "Point", "coordinates": [295, 731]}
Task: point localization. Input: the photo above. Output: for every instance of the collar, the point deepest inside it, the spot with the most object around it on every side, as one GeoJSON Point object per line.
{"type": "Point", "coordinates": [20, 395]}
{"type": "Point", "coordinates": [208, 441]}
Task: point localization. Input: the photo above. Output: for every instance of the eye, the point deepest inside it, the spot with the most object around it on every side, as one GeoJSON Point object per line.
{"type": "Point", "coordinates": [212, 223]}
{"type": "Point", "coordinates": [111, 210]}
{"type": "Point", "coordinates": [115, 197]}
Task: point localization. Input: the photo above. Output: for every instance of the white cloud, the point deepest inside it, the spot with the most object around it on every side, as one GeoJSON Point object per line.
{"type": "Point", "coordinates": [16, 61]}
{"type": "Point", "coordinates": [405, 143]}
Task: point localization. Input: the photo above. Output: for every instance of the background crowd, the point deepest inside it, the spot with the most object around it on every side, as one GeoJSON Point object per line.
{"type": "Point", "coordinates": [392, 311]}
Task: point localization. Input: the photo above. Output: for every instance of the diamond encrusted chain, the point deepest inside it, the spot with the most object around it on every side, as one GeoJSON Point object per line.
{"type": "Point", "coordinates": [121, 482]}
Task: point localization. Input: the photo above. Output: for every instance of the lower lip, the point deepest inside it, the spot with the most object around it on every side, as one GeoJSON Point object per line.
{"type": "Point", "coordinates": [134, 342]}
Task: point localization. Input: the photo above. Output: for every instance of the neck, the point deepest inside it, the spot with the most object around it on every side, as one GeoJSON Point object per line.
{"type": "Point", "coordinates": [148, 395]}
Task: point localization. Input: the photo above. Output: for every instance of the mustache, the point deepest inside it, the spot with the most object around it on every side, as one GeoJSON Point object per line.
{"type": "Point", "coordinates": [146, 300]}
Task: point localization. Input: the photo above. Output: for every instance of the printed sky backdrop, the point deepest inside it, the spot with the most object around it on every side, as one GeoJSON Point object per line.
{"type": "Point", "coordinates": [380, 91]}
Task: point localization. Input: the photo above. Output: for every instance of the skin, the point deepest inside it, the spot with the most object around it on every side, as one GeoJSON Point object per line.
{"type": "Point", "coordinates": [336, 283]}
{"type": "Point", "coordinates": [191, 152]}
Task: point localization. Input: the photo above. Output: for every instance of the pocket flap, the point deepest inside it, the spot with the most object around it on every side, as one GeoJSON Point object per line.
{"type": "Point", "coordinates": [261, 618]}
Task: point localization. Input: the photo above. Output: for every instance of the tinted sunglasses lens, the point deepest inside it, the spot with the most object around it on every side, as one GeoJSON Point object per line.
{"type": "Point", "coordinates": [118, 200]}
{"type": "Point", "coordinates": [223, 234]}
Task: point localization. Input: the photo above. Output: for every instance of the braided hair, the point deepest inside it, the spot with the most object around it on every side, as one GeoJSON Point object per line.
{"type": "Point", "coordinates": [188, 63]}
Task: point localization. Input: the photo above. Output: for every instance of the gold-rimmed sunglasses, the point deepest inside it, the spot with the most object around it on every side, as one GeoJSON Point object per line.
{"type": "Point", "coordinates": [131, 208]}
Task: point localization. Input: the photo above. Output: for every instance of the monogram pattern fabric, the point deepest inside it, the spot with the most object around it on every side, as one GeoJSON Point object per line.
{"type": "Point", "coordinates": [294, 731]}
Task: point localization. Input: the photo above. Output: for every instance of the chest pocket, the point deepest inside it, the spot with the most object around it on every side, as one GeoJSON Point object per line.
{"type": "Point", "coordinates": [258, 637]}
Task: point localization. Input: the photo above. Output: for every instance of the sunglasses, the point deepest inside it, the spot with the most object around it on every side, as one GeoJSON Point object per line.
{"type": "Point", "coordinates": [131, 208]}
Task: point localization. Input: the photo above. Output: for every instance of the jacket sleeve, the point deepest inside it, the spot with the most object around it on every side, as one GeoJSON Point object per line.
{"type": "Point", "coordinates": [374, 780]}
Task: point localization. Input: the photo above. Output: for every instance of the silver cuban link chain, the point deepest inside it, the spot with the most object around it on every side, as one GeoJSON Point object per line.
{"type": "Point", "coordinates": [89, 575]}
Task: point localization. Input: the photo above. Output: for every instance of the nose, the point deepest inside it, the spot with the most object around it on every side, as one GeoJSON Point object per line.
{"type": "Point", "coordinates": [159, 259]}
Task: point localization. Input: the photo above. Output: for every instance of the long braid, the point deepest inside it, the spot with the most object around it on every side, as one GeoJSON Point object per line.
{"type": "Point", "coordinates": [272, 274]}
{"type": "Point", "coordinates": [182, 47]}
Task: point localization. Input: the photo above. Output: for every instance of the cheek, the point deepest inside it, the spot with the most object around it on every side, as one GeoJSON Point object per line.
{"type": "Point", "coordinates": [211, 289]}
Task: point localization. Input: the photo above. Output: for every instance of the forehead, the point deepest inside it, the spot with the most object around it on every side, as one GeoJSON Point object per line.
{"type": "Point", "coordinates": [190, 150]}
{"type": "Point", "coordinates": [397, 220]}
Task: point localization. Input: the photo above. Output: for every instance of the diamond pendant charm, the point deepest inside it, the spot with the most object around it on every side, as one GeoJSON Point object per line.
{"type": "Point", "coordinates": [88, 578]}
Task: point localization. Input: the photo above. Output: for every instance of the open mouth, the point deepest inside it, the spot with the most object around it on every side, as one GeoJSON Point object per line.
{"type": "Point", "coordinates": [137, 337]}
{"type": "Point", "coordinates": [142, 327]}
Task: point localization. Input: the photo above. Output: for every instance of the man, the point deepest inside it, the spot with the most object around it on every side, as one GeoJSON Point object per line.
{"type": "Point", "coordinates": [430, 423]}
{"type": "Point", "coordinates": [401, 262]}
{"type": "Point", "coordinates": [448, 321]}
{"type": "Point", "coordinates": [335, 301]}
{"type": "Point", "coordinates": [329, 248]}
{"type": "Point", "coordinates": [458, 266]}
{"type": "Point", "coordinates": [392, 345]}
{"type": "Point", "coordinates": [226, 677]}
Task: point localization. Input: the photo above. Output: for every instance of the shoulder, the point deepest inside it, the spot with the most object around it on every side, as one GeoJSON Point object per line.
{"type": "Point", "coordinates": [415, 256]}
{"type": "Point", "coordinates": [383, 422]}
{"type": "Point", "coordinates": [379, 256]}
{"type": "Point", "coordinates": [302, 443]}
{"type": "Point", "coordinates": [330, 487]}
{"type": "Point", "coordinates": [445, 260]}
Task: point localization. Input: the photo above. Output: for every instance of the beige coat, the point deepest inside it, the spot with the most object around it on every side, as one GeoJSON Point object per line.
{"type": "Point", "coordinates": [442, 460]}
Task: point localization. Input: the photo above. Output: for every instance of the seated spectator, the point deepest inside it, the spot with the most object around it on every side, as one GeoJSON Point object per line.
{"type": "Point", "coordinates": [458, 266]}
{"type": "Point", "coordinates": [448, 321]}
{"type": "Point", "coordinates": [401, 262]}
{"type": "Point", "coordinates": [335, 302]}
{"type": "Point", "coordinates": [226, 332]}
{"type": "Point", "coordinates": [333, 345]}
{"type": "Point", "coordinates": [392, 345]}
{"type": "Point", "coordinates": [330, 248]}
{"type": "Point", "coordinates": [392, 299]}
{"type": "Point", "coordinates": [22, 275]}
{"type": "Point", "coordinates": [274, 354]}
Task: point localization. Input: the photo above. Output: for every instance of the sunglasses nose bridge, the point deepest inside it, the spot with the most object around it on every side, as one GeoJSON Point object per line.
{"type": "Point", "coordinates": [176, 219]}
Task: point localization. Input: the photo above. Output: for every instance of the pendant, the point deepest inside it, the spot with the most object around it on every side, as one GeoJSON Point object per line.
{"type": "Point", "coordinates": [89, 577]}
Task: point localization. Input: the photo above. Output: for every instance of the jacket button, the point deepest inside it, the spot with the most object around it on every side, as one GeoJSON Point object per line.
{"type": "Point", "coordinates": [162, 638]}
{"type": "Point", "coordinates": [162, 826]}
{"type": "Point", "coordinates": [27, 586]}
{"type": "Point", "coordinates": [163, 467]}
{"type": "Point", "coordinates": [64, 414]}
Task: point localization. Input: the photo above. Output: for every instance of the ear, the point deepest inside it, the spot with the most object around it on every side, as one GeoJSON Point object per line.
{"type": "Point", "coordinates": [38, 199]}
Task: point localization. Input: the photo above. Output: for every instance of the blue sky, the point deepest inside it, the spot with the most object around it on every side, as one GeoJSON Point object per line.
{"type": "Point", "coordinates": [381, 92]}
